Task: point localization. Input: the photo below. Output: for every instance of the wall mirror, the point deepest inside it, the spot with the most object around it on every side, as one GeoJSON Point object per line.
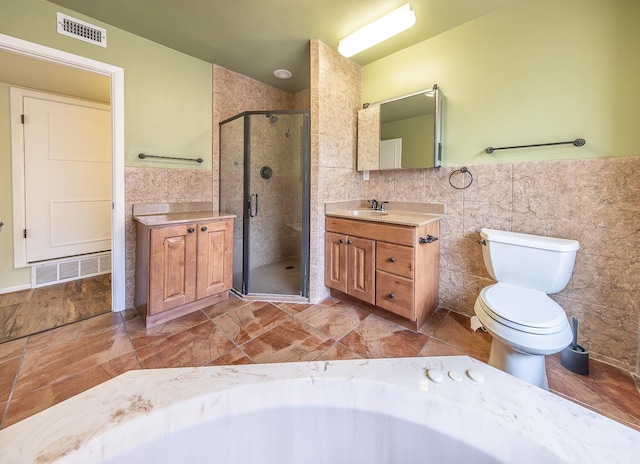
{"type": "Point", "coordinates": [401, 133]}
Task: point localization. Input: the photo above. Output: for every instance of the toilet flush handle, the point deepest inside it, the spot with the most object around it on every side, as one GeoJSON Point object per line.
{"type": "Point", "coordinates": [482, 242]}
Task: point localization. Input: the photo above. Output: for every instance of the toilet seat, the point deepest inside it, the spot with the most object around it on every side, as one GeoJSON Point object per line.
{"type": "Point", "coordinates": [523, 309]}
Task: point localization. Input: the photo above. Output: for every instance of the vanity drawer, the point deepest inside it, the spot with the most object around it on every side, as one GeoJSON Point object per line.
{"type": "Point", "coordinates": [395, 294]}
{"type": "Point", "coordinates": [395, 259]}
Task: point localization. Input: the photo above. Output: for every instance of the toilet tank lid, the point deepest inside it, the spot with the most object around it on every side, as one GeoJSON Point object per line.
{"type": "Point", "coordinates": [529, 240]}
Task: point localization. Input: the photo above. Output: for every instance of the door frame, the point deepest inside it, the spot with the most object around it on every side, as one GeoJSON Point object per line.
{"type": "Point", "coordinates": [18, 164]}
{"type": "Point", "coordinates": [116, 75]}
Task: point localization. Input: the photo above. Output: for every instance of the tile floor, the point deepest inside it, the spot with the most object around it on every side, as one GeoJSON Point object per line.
{"type": "Point", "coordinates": [44, 369]}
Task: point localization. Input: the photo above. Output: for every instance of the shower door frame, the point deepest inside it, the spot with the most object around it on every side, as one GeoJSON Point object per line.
{"type": "Point", "coordinates": [306, 199]}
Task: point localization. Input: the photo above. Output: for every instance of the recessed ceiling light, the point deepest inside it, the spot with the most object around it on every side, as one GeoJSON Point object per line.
{"type": "Point", "coordinates": [282, 73]}
{"type": "Point", "coordinates": [381, 29]}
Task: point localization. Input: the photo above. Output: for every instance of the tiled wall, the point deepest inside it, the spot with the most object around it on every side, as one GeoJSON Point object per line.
{"type": "Point", "coordinates": [595, 201]}
{"type": "Point", "coordinates": [336, 85]}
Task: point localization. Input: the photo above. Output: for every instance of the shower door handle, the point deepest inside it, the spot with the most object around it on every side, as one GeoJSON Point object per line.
{"type": "Point", "coordinates": [253, 205]}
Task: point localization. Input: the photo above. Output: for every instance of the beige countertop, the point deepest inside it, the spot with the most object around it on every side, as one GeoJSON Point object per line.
{"type": "Point", "coordinates": [403, 213]}
{"type": "Point", "coordinates": [157, 214]}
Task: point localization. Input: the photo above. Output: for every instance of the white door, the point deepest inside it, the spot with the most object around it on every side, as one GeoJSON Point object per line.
{"type": "Point", "coordinates": [67, 149]}
{"type": "Point", "coordinates": [391, 154]}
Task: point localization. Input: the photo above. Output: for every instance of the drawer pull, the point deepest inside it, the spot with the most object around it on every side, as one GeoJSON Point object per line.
{"type": "Point", "coordinates": [428, 239]}
{"type": "Point", "coordinates": [191, 230]}
{"type": "Point", "coordinates": [392, 260]}
{"type": "Point", "coordinates": [204, 229]}
{"type": "Point", "coordinates": [392, 295]}
{"type": "Point", "coordinates": [341, 241]}
{"type": "Point", "coordinates": [349, 242]}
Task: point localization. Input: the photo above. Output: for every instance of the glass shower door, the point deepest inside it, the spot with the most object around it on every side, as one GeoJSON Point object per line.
{"type": "Point", "coordinates": [264, 181]}
{"type": "Point", "coordinates": [276, 197]}
{"type": "Point", "coordinates": [232, 155]}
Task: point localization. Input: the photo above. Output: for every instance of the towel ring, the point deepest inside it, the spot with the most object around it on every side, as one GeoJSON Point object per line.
{"type": "Point", "coordinates": [462, 170]}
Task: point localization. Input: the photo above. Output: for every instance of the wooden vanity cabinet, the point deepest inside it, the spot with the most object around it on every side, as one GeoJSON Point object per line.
{"type": "Point", "coordinates": [401, 265]}
{"type": "Point", "coordinates": [350, 265]}
{"type": "Point", "coordinates": [182, 267]}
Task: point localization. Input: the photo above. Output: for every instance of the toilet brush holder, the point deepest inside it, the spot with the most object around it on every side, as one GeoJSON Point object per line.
{"type": "Point", "coordinates": [575, 357]}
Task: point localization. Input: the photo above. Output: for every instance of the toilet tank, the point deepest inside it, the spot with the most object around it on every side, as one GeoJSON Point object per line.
{"type": "Point", "coordinates": [532, 261]}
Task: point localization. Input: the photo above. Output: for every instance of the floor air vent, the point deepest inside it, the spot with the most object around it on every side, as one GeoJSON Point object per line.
{"type": "Point", "coordinates": [73, 27]}
{"type": "Point", "coordinates": [72, 269]}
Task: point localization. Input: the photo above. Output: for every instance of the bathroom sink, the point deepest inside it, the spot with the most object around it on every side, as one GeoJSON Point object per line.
{"type": "Point", "coordinates": [367, 213]}
{"type": "Point", "coordinates": [406, 214]}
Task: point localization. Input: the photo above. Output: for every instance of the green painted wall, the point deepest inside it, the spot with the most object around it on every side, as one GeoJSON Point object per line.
{"type": "Point", "coordinates": [168, 95]}
{"type": "Point", "coordinates": [533, 72]}
{"type": "Point", "coordinates": [168, 102]}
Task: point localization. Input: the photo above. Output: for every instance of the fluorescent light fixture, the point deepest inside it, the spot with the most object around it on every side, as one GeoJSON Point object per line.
{"type": "Point", "coordinates": [381, 29]}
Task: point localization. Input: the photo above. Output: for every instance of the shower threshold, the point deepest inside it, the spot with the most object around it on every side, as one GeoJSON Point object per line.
{"type": "Point", "coordinates": [276, 282]}
{"type": "Point", "coordinates": [272, 298]}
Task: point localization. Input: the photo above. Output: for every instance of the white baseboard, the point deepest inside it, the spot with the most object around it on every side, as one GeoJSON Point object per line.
{"type": "Point", "coordinates": [15, 289]}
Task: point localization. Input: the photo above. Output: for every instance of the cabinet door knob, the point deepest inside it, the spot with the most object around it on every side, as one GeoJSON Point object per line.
{"type": "Point", "coordinates": [349, 242]}
{"type": "Point", "coordinates": [392, 260]}
{"type": "Point", "coordinates": [191, 230]}
{"type": "Point", "coordinates": [204, 229]}
{"type": "Point", "coordinates": [392, 295]}
{"type": "Point", "coordinates": [341, 241]}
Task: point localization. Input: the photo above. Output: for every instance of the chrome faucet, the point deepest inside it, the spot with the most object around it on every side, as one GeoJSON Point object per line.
{"type": "Point", "coordinates": [377, 205]}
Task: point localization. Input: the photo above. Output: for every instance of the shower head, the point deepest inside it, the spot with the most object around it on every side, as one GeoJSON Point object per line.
{"type": "Point", "coordinates": [272, 118]}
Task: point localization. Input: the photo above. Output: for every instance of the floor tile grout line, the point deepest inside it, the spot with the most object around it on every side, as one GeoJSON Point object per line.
{"type": "Point", "coordinates": [13, 387]}
{"type": "Point", "coordinates": [258, 335]}
{"type": "Point", "coordinates": [84, 335]}
{"type": "Point", "coordinates": [235, 345]}
{"type": "Point", "coordinates": [435, 329]}
{"type": "Point", "coordinates": [596, 409]}
{"type": "Point", "coordinates": [75, 373]}
{"type": "Point", "coordinates": [133, 348]}
{"type": "Point", "coordinates": [293, 317]}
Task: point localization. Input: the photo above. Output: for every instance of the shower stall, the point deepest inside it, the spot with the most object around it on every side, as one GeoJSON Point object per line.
{"type": "Point", "coordinates": [264, 181]}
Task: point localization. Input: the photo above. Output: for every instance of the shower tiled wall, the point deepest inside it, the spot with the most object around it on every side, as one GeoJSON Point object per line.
{"type": "Point", "coordinates": [595, 201]}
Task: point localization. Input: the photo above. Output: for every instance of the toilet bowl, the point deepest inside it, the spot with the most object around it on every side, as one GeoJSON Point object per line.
{"type": "Point", "coordinates": [525, 323]}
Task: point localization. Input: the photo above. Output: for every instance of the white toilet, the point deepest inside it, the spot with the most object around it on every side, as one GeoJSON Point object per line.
{"type": "Point", "coordinates": [526, 325]}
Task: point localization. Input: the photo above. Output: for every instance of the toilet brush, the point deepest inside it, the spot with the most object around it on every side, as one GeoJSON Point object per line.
{"type": "Point", "coordinates": [575, 357]}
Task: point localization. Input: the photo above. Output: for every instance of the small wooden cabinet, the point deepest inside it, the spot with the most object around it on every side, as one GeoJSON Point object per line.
{"type": "Point", "coordinates": [182, 267]}
{"type": "Point", "coordinates": [350, 265]}
{"type": "Point", "coordinates": [390, 266]}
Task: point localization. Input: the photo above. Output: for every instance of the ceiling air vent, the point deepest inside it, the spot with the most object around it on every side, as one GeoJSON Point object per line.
{"type": "Point", "coordinates": [80, 30]}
